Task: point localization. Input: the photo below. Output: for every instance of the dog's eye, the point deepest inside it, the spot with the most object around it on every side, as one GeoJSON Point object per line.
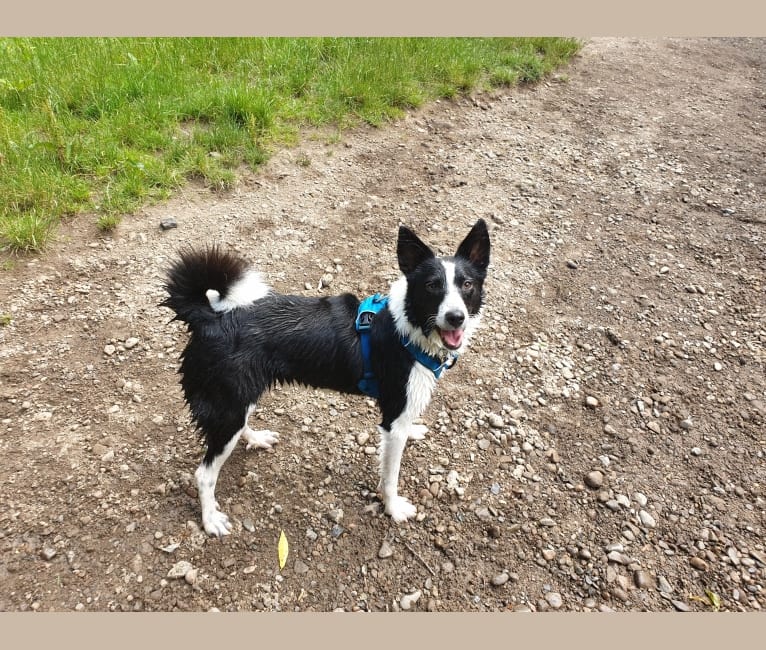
{"type": "Point", "coordinates": [433, 285]}
{"type": "Point", "coordinates": [467, 285]}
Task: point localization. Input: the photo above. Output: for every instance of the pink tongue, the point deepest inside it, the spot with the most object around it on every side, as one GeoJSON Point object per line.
{"type": "Point", "coordinates": [452, 338]}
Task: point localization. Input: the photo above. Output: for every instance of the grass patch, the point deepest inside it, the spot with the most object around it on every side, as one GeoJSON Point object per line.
{"type": "Point", "coordinates": [105, 125]}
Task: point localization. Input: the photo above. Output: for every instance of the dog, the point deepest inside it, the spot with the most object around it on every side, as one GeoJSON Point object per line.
{"type": "Point", "coordinates": [245, 337]}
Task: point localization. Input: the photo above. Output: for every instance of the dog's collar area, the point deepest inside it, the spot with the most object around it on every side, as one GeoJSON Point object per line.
{"type": "Point", "coordinates": [434, 364]}
{"type": "Point", "coordinates": [365, 315]}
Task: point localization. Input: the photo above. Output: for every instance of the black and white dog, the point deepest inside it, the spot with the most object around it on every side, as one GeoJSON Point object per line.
{"type": "Point", "coordinates": [245, 337]}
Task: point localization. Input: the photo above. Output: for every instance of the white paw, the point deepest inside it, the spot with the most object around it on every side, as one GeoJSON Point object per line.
{"type": "Point", "coordinates": [400, 509]}
{"type": "Point", "coordinates": [417, 431]}
{"type": "Point", "coordinates": [216, 523]}
{"type": "Point", "coordinates": [262, 439]}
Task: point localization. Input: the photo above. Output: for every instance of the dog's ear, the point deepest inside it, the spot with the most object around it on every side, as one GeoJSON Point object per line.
{"type": "Point", "coordinates": [475, 247]}
{"type": "Point", "coordinates": [410, 250]}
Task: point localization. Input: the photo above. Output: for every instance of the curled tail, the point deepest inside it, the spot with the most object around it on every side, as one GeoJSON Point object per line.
{"type": "Point", "coordinates": [203, 282]}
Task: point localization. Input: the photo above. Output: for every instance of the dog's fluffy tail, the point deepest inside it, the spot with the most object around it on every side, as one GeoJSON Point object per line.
{"type": "Point", "coordinates": [203, 282]}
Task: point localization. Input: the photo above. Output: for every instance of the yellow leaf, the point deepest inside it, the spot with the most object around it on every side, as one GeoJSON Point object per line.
{"type": "Point", "coordinates": [283, 548]}
{"type": "Point", "coordinates": [715, 599]}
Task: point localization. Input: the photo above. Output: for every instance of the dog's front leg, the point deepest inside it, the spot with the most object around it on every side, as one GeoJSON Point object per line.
{"type": "Point", "coordinates": [392, 445]}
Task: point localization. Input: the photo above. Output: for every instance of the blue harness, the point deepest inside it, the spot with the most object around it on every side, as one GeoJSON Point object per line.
{"type": "Point", "coordinates": [368, 384]}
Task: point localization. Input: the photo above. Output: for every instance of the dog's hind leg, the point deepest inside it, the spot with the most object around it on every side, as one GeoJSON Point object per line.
{"type": "Point", "coordinates": [220, 444]}
{"type": "Point", "coordinates": [258, 438]}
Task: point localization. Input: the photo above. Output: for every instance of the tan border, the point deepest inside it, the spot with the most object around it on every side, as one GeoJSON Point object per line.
{"type": "Point", "coordinates": [384, 18]}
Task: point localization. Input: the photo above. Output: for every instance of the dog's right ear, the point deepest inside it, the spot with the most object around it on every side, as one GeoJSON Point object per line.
{"type": "Point", "coordinates": [411, 251]}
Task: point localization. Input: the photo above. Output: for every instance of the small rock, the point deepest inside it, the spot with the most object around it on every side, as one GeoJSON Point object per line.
{"type": "Point", "coordinates": [646, 519]}
{"type": "Point", "coordinates": [495, 421]}
{"type": "Point", "coordinates": [681, 606]}
{"type": "Point", "coordinates": [594, 479]}
{"type": "Point", "coordinates": [48, 553]}
{"type": "Point", "coordinates": [500, 579]}
{"type": "Point", "coordinates": [385, 550]}
{"type": "Point", "coordinates": [409, 600]}
{"type": "Point", "coordinates": [109, 350]}
{"type": "Point", "coordinates": [663, 585]}
{"type": "Point", "coordinates": [696, 451]}
{"type": "Point", "coordinates": [335, 515]}
{"type": "Point", "coordinates": [554, 599]}
{"type": "Point", "coordinates": [572, 264]}
{"type": "Point", "coordinates": [325, 280]}
{"type": "Point", "coordinates": [362, 438]}
{"type": "Point", "coordinates": [640, 499]}
{"type": "Point", "coordinates": [718, 366]}
{"type": "Point", "coordinates": [698, 563]}
{"type": "Point", "coordinates": [168, 223]}
{"type": "Point", "coordinates": [643, 579]}
{"type": "Point", "coordinates": [180, 569]}
{"type": "Point", "coordinates": [131, 343]}
{"type": "Point", "coordinates": [300, 567]}
{"type": "Point", "coordinates": [484, 444]}
{"type": "Point", "coordinates": [686, 424]}
{"type": "Point", "coordinates": [591, 402]}
{"type": "Point", "coordinates": [191, 576]}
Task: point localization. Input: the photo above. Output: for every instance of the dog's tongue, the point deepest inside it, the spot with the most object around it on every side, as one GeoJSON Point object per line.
{"type": "Point", "coordinates": [453, 338]}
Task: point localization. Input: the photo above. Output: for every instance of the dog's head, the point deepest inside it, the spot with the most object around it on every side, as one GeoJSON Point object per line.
{"type": "Point", "coordinates": [437, 302]}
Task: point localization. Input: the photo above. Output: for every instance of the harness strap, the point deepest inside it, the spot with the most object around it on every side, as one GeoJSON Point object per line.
{"type": "Point", "coordinates": [368, 384]}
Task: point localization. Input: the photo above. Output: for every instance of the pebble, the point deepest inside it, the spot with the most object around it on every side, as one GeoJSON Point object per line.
{"type": "Point", "coordinates": [664, 586]}
{"type": "Point", "coordinates": [640, 499]}
{"type": "Point", "coordinates": [131, 342]}
{"type": "Point", "coordinates": [408, 600]}
{"type": "Point", "coordinates": [168, 223]}
{"type": "Point", "coordinates": [500, 579]}
{"type": "Point", "coordinates": [109, 350]}
{"type": "Point", "coordinates": [681, 606]}
{"type": "Point", "coordinates": [300, 567]}
{"type": "Point", "coordinates": [572, 264]}
{"type": "Point", "coordinates": [180, 569]}
{"type": "Point", "coordinates": [385, 551]}
{"type": "Point", "coordinates": [696, 451]}
{"type": "Point", "coordinates": [594, 479]}
{"type": "Point", "coordinates": [643, 579]}
{"type": "Point", "coordinates": [646, 519]}
{"type": "Point", "coordinates": [191, 576]}
{"type": "Point", "coordinates": [591, 402]}
{"type": "Point", "coordinates": [698, 563]}
{"type": "Point", "coordinates": [48, 553]}
{"type": "Point", "coordinates": [335, 515]}
{"type": "Point", "coordinates": [362, 438]}
{"type": "Point", "coordinates": [496, 421]}
{"type": "Point", "coordinates": [553, 598]}
{"type": "Point", "coordinates": [484, 444]}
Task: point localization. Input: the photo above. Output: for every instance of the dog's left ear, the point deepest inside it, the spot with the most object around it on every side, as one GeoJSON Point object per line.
{"type": "Point", "coordinates": [475, 247]}
{"type": "Point", "coordinates": [410, 250]}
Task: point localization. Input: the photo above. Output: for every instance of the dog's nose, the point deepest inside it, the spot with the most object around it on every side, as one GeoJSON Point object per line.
{"type": "Point", "coordinates": [455, 318]}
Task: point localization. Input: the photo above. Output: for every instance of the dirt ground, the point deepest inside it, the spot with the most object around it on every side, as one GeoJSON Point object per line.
{"type": "Point", "coordinates": [600, 447]}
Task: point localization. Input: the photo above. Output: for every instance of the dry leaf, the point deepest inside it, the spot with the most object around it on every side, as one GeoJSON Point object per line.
{"type": "Point", "coordinates": [283, 548]}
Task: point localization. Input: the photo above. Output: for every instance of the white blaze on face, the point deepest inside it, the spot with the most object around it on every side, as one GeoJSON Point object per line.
{"type": "Point", "coordinates": [453, 303]}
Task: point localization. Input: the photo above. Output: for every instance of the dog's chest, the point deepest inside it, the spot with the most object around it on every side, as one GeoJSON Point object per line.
{"type": "Point", "coordinates": [420, 387]}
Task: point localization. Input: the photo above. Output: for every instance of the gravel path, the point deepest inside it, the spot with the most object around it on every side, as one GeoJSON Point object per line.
{"type": "Point", "coordinates": [601, 446]}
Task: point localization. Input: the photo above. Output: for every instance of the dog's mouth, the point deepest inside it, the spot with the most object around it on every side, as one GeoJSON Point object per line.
{"type": "Point", "coordinates": [452, 339]}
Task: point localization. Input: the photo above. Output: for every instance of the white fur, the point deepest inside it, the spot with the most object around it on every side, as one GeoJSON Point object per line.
{"type": "Point", "coordinates": [245, 291]}
{"type": "Point", "coordinates": [420, 386]}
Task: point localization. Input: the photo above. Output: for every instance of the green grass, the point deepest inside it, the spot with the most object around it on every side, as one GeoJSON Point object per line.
{"type": "Point", "coordinates": [105, 125]}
